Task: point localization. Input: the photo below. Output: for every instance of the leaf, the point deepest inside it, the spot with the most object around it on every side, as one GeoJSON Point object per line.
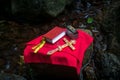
{"type": "Point", "coordinates": [21, 62]}
{"type": "Point", "coordinates": [92, 27]}
{"type": "Point", "coordinates": [89, 20]}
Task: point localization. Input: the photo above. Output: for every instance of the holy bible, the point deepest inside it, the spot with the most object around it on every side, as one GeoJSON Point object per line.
{"type": "Point", "coordinates": [54, 34]}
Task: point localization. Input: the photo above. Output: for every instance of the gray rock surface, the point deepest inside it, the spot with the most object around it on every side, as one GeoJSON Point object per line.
{"type": "Point", "coordinates": [7, 76]}
{"type": "Point", "coordinates": [51, 7]}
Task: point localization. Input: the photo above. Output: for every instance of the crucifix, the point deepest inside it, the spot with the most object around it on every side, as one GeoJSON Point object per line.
{"type": "Point", "coordinates": [59, 48]}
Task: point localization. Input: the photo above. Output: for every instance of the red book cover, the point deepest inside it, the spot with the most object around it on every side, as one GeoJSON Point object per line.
{"type": "Point", "coordinates": [54, 34]}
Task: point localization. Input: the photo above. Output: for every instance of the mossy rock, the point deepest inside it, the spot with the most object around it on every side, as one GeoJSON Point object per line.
{"type": "Point", "coordinates": [111, 22]}
{"type": "Point", "coordinates": [51, 7]}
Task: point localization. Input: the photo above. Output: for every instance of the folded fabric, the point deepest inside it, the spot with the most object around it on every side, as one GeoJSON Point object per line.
{"type": "Point", "coordinates": [66, 57]}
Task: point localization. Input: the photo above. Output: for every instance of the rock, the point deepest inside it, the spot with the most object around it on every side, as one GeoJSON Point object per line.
{"type": "Point", "coordinates": [110, 60]}
{"type": "Point", "coordinates": [54, 7]}
{"type": "Point", "coordinates": [27, 9]}
{"type": "Point", "coordinates": [88, 54]}
{"type": "Point", "coordinates": [88, 67]}
{"type": "Point", "coordinates": [112, 22]}
{"type": "Point", "coordinates": [111, 66]}
{"type": "Point", "coordinates": [6, 76]}
{"type": "Point", "coordinates": [89, 73]}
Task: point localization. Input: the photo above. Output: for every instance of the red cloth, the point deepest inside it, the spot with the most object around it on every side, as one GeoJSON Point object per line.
{"type": "Point", "coordinates": [66, 57]}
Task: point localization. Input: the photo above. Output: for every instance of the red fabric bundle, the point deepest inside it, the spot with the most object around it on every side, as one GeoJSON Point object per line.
{"type": "Point", "coordinates": [66, 57]}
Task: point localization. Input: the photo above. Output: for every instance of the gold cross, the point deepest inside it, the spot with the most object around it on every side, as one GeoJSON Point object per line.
{"type": "Point", "coordinates": [59, 48]}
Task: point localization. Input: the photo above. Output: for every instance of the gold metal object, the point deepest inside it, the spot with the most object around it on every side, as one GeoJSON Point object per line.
{"type": "Point", "coordinates": [39, 46]}
{"type": "Point", "coordinates": [59, 48]}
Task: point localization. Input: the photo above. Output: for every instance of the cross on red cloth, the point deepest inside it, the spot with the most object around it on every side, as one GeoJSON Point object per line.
{"type": "Point", "coordinates": [66, 57]}
{"type": "Point", "coordinates": [59, 48]}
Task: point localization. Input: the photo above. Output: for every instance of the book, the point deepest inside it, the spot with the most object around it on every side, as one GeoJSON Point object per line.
{"type": "Point", "coordinates": [54, 34]}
